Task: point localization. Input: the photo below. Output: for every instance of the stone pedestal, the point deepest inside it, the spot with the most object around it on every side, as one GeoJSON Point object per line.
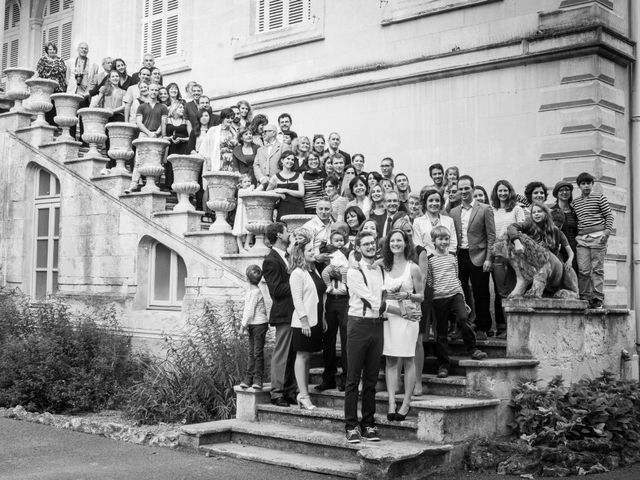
{"type": "Point", "coordinates": [259, 207]}
{"type": "Point", "coordinates": [146, 203]}
{"type": "Point", "coordinates": [186, 169]}
{"type": "Point", "coordinates": [40, 99]}
{"type": "Point", "coordinates": [567, 339]}
{"type": "Point", "coordinates": [179, 222]}
{"type": "Point", "coordinates": [247, 401]}
{"type": "Point", "coordinates": [295, 221]}
{"type": "Point", "coordinates": [12, 121]}
{"type": "Point", "coordinates": [121, 134]}
{"type": "Point", "coordinates": [149, 155]}
{"type": "Point", "coordinates": [62, 150]}
{"type": "Point", "coordinates": [36, 135]}
{"type": "Point", "coordinates": [222, 187]}
{"type": "Point", "coordinates": [240, 261]}
{"type": "Point", "coordinates": [16, 87]}
{"type": "Point", "coordinates": [94, 121]}
{"type": "Point", "coordinates": [87, 167]}
{"type": "Point", "coordinates": [213, 243]}
{"type": "Point", "coordinates": [66, 110]}
{"type": "Point", "coordinates": [113, 183]}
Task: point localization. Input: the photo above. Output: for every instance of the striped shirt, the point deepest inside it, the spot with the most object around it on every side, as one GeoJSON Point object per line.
{"type": "Point", "coordinates": [593, 212]}
{"type": "Point", "coordinates": [313, 190]}
{"type": "Point", "coordinates": [442, 275]}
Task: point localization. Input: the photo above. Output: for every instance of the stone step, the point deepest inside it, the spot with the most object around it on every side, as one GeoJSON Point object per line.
{"type": "Point", "coordinates": [431, 418]}
{"type": "Point", "coordinates": [298, 461]}
{"type": "Point", "coordinates": [454, 385]}
{"type": "Point", "coordinates": [332, 419]}
{"type": "Point", "coordinates": [384, 459]}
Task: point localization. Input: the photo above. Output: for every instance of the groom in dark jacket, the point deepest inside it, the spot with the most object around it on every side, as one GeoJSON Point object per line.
{"type": "Point", "coordinates": [275, 268]}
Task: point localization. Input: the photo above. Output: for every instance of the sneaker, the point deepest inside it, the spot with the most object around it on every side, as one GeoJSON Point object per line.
{"type": "Point", "coordinates": [245, 383]}
{"type": "Point", "coordinates": [257, 385]}
{"type": "Point", "coordinates": [371, 434]}
{"type": "Point", "coordinates": [353, 436]}
{"type": "Point", "coordinates": [478, 354]}
{"type": "Point", "coordinates": [443, 372]}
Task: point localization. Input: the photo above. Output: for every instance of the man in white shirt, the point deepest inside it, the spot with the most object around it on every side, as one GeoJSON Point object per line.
{"type": "Point", "coordinates": [133, 93]}
{"type": "Point", "coordinates": [365, 339]}
{"type": "Point", "coordinates": [320, 227]}
{"type": "Point", "coordinates": [82, 77]}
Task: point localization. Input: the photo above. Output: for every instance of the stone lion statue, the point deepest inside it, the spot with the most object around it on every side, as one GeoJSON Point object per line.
{"type": "Point", "coordinates": [538, 270]}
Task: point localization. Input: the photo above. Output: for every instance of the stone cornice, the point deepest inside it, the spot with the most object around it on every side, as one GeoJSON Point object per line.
{"type": "Point", "coordinates": [541, 47]}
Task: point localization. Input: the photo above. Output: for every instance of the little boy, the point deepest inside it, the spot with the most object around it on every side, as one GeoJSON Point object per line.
{"type": "Point", "coordinates": [448, 300]}
{"type": "Point", "coordinates": [335, 311]}
{"type": "Point", "coordinates": [255, 322]}
{"type": "Point", "coordinates": [595, 223]}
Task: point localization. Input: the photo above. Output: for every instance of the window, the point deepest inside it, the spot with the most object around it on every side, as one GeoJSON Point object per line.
{"type": "Point", "coordinates": [167, 275]}
{"type": "Point", "coordinates": [11, 41]}
{"type": "Point", "coordinates": [276, 14]}
{"type": "Point", "coordinates": [47, 234]}
{"type": "Point", "coordinates": [56, 26]}
{"type": "Point", "coordinates": [160, 32]}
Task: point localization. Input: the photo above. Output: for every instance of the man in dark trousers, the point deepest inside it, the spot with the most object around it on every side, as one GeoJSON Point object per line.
{"type": "Point", "coordinates": [476, 232]}
{"type": "Point", "coordinates": [275, 272]}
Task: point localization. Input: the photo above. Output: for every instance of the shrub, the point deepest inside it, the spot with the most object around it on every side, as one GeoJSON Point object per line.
{"type": "Point", "coordinates": [194, 383]}
{"type": "Point", "coordinates": [55, 360]}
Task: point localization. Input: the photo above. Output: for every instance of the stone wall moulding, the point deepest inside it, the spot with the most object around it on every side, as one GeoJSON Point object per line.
{"type": "Point", "coordinates": [395, 11]}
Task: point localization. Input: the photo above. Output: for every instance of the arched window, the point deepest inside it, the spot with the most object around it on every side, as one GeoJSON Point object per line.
{"type": "Point", "coordinates": [56, 25]}
{"type": "Point", "coordinates": [160, 28]}
{"type": "Point", "coordinates": [167, 275]}
{"type": "Point", "coordinates": [47, 233]}
{"type": "Point", "coordinates": [11, 41]}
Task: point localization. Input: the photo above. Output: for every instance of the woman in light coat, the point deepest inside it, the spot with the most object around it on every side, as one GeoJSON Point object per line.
{"type": "Point", "coordinates": [307, 321]}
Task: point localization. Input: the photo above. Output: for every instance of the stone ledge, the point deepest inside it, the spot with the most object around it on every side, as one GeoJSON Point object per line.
{"type": "Point", "coordinates": [496, 363]}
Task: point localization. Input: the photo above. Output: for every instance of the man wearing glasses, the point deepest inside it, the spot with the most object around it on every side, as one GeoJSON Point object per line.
{"type": "Point", "coordinates": [267, 156]}
{"type": "Point", "coordinates": [386, 168]}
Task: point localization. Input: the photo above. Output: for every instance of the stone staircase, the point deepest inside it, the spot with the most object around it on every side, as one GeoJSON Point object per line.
{"type": "Point", "coordinates": [471, 402]}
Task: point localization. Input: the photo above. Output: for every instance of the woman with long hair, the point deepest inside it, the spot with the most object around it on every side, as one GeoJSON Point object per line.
{"type": "Point", "coordinates": [163, 96]}
{"type": "Point", "coordinates": [301, 146]}
{"type": "Point", "coordinates": [540, 228]}
{"type": "Point", "coordinates": [178, 133]}
{"type": "Point", "coordinates": [307, 321]}
{"type": "Point", "coordinates": [174, 93]}
{"type": "Point", "coordinates": [338, 202]}
{"type": "Point", "coordinates": [110, 96]}
{"type": "Point", "coordinates": [373, 179]}
{"type": "Point", "coordinates": [480, 194]}
{"type": "Point", "coordinates": [401, 332]}
{"type": "Point", "coordinates": [452, 196]}
{"type": "Point", "coordinates": [359, 192]}
{"type": "Point", "coordinates": [125, 79]}
{"type": "Point", "coordinates": [377, 211]}
{"type": "Point", "coordinates": [289, 185]}
{"type": "Point", "coordinates": [535, 191]}
{"type": "Point", "coordinates": [257, 124]}
{"type": "Point", "coordinates": [506, 211]}
{"type": "Point", "coordinates": [432, 206]}
{"type": "Point", "coordinates": [564, 216]}
{"type": "Point", "coordinates": [354, 217]}
{"type": "Point", "coordinates": [347, 176]}
{"type": "Point", "coordinates": [313, 178]}
{"type": "Point", "coordinates": [246, 113]}
{"type": "Point", "coordinates": [198, 133]}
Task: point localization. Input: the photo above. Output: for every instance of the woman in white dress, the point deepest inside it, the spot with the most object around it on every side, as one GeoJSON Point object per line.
{"type": "Point", "coordinates": [404, 288]}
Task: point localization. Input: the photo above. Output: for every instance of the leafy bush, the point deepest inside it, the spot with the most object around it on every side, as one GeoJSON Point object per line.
{"type": "Point", "coordinates": [194, 383]}
{"type": "Point", "coordinates": [55, 360]}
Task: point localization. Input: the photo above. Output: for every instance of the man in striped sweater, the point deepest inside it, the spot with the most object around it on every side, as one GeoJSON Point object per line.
{"type": "Point", "coordinates": [595, 223]}
{"type": "Point", "coordinates": [448, 300]}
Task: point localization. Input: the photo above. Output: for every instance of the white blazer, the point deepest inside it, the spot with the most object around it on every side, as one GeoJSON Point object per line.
{"type": "Point", "coordinates": [305, 298]}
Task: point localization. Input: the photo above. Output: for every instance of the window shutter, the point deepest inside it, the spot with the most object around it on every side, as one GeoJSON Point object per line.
{"type": "Point", "coordinates": [172, 35]}
{"type": "Point", "coordinates": [156, 38]}
{"type": "Point", "coordinates": [65, 41]}
{"type": "Point", "coordinates": [15, 17]}
{"type": "Point", "coordinates": [5, 55]}
{"type": "Point", "coordinates": [7, 15]}
{"type": "Point", "coordinates": [67, 4]}
{"type": "Point", "coordinates": [296, 11]}
{"type": "Point", "coordinates": [260, 17]}
{"type": "Point", "coordinates": [54, 7]}
{"type": "Point", "coordinates": [157, 7]}
{"type": "Point", "coordinates": [276, 14]}
{"type": "Point", "coordinates": [15, 49]}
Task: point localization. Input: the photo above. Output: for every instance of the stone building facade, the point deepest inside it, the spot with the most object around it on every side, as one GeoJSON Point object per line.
{"type": "Point", "coordinates": [501, 88]}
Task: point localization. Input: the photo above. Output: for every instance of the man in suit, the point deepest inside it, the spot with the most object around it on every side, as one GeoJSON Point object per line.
{"type": "Point", "coordinates": [147, 61]}
{"type": "Point", "coordinates": [275, 271]}
{"type": "Point", "coordinates": [191, 107]}
{"type": "Point", "coordinates": [266, 162]}
{"type": "Point", "coordinates": [334, 148]}
{"type": "Point", "coordinates": [476, 234]}
{"type": "Point", "coordinates": [391, 206]}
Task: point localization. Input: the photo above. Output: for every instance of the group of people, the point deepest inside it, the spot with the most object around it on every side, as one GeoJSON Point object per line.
{"type": "Point", "coordinates": [393, 280]}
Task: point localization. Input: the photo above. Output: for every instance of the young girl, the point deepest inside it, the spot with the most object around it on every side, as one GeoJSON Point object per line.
{"type": "Point", "coordinates": [240, 222]}
{"type": "Point", "coordinates": [254, 322]}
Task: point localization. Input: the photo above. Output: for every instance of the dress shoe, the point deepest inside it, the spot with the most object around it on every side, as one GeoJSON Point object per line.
{"type": "Point", "coordinates": [324, 386]}
{"type": "Point", "coordinates": [291, 400]}
{"type": "Point", "coordinates": [280, 402]}
{"type": "Point", "coordinates": [400, 417]}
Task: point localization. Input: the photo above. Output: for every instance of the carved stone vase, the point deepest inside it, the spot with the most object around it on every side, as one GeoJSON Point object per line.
{"type": "Point", "coordinates": [66, 113]}
{"type": "Point", "coordinates": [40, 98]}
{"type": "Point", "coordinates": [121, 135]}
{"type": "Point", "coordinates": [259, 206]}
{"type": "Point", "coordinates": [295, 221]}
{"type": "Point", "coordinates": [150, 152]}
{"type": "Point", "coordinates": [186, 169]}
{"type": "Point", "coordinates": [94, 121]}
{"type": "Point", "coordinates": [221, 187]}
{"type": "Point", "coordinates": [17, 88]}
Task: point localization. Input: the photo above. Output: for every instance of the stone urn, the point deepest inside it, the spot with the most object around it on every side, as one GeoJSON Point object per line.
{"type": "Point", "coordinates": [17, 89]}
{"type": "Point", "coordinates": [221, 187]}
{"type": "Point", "coordinates": [121, 135]}
{"type": "Point", "coordinates": [40, 98]}
{"type": "Point", "coordinates": [259, 206]}
{"type": "Point", "coordinates": [186, 169]}
{"type": "Point", "coordinates": [94, 121]}
{"type": "Point", "coordinates": [150, 152]}
{"type": "Point", "coordinates": [295, 221]}
{"type": "Point", "coordinates": [66, 110]}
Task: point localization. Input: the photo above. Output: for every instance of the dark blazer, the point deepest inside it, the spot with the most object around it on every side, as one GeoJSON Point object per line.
{"type": "Point", "coordinates": [347, 157]}
{"type": "Point", "coordinates": [244, 163]}
{"type": "Point", "coordinates": [191, 112]}
{"type": "Point", "coordinates": [276, 276]}
{"type": "Point", "coordinates": [481, 233]}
